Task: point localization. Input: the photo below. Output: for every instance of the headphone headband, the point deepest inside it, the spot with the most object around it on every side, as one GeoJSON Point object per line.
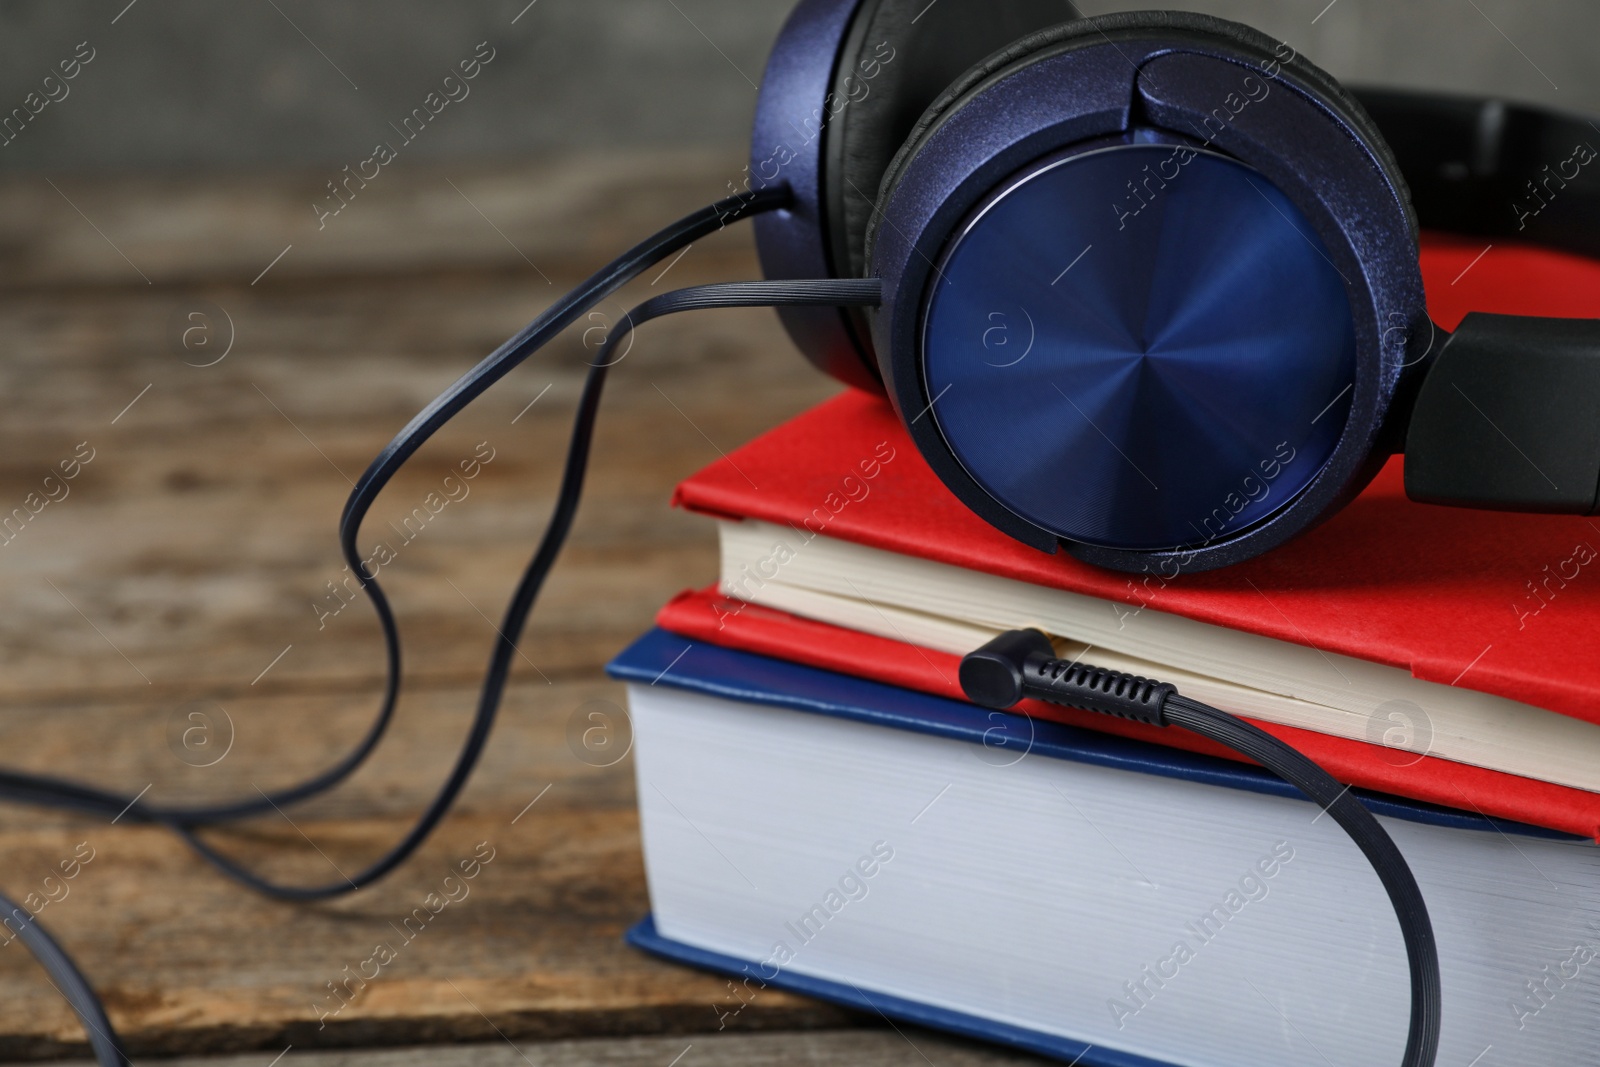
{"type": "Point", "coordinates": [1491, 168]}
{"type": "Point", "coordinates": [1474, 165]}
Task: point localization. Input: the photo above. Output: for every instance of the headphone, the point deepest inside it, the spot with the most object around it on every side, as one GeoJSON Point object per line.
{"type": "Point", "coordinates": [1149, 280]}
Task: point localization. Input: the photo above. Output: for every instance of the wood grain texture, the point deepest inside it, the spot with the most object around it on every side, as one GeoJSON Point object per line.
{"type": "Point", "coordinates": [908, 1047]}
{"type": "Point", "coordinates": [188, 568]}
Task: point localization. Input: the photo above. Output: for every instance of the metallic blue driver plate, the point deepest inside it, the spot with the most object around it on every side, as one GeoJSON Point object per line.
{"type": "Point", "coordinates": [1139, 346]}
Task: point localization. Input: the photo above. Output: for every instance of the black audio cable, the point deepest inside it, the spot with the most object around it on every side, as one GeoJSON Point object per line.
{"type": "Point", "coordinates": [69, 982]}
{"type": "Point", "coordinates": [1022, 663]}
{"type": "Point", "coordinates": [56, 792]}
{"type": "Point", "coordinates": [1003, 662]}
{"type": "Point", "coordinates": [727, 295]}
{"type": "Point", "coordinates": [60, 793]}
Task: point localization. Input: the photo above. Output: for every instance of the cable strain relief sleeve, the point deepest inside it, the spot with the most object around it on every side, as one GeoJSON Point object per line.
{"type": "Point", "coordinates": [1081, 685]}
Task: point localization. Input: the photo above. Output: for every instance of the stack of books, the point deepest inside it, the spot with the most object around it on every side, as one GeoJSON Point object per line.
{"type": "Point", "coordinates": [823, 812]}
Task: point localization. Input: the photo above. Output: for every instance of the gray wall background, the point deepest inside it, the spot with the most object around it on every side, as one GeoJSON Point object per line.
{"type": "Point", "coordinates": [234, 84]}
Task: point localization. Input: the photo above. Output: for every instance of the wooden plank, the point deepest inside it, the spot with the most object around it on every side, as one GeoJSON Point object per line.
{"type": "Point", "coordinates": [208, 510]}
{"type": "Point", "coordinates": [531, 947]}
{"type": "Point", "coordinates": [907, 1047]}
{"type": "Point", "coordinates": [210, 228]}
{"type": "Point", "coordinates": [182, 570]}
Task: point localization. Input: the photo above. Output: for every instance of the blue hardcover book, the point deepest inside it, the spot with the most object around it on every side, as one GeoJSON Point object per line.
{"type": "Point", "coordinates": [1099, 900]}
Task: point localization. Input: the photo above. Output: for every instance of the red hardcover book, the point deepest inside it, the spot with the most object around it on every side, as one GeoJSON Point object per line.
{"type": "Point", "coordinates": [1495, 602]}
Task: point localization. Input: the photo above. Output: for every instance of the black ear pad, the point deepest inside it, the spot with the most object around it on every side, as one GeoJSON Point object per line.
{"type": "Point", "coordinates": [1128, 23]}
{"type": "Point", "coordinates": [915, 50]}
{"type": "Point", "coordinates": [846, 81]}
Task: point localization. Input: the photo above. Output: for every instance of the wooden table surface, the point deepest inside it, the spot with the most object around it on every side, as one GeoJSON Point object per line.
{"type": "Point", "coordinates": [187, 569]}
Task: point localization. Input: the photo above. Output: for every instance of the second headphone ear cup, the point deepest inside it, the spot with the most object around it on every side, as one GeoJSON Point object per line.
{"type": "Point", "coordinates": [896, 59]}
{"type": "Point", "coordinates": [846, 81]}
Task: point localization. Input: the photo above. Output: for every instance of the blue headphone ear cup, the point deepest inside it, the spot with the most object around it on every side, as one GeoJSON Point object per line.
{"type": "Point", "coordinates": [1131, 79]}
{"type": "Point", "coordinates": [846, 82]}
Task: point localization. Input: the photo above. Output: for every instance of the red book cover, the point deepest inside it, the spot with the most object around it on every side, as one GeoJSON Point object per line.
{"type": "Point", "coordinates": [1488, 600]}
{"type": "Point", "coordinates": [705, 615]}
{"type": "Point", "coordinates": [1493, 601]}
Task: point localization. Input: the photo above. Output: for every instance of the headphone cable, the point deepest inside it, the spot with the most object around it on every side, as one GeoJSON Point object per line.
{"type": "Point", "coordinates": [56, 792]}
{"type": "Point", "coordinates": [69, 982]}
{"type": "Point", "coordinates": [65, 794]}
{"type": "Point", "coordinates": [1023, 663]}
{"type": "Point", "coordinates": [726, 295]}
